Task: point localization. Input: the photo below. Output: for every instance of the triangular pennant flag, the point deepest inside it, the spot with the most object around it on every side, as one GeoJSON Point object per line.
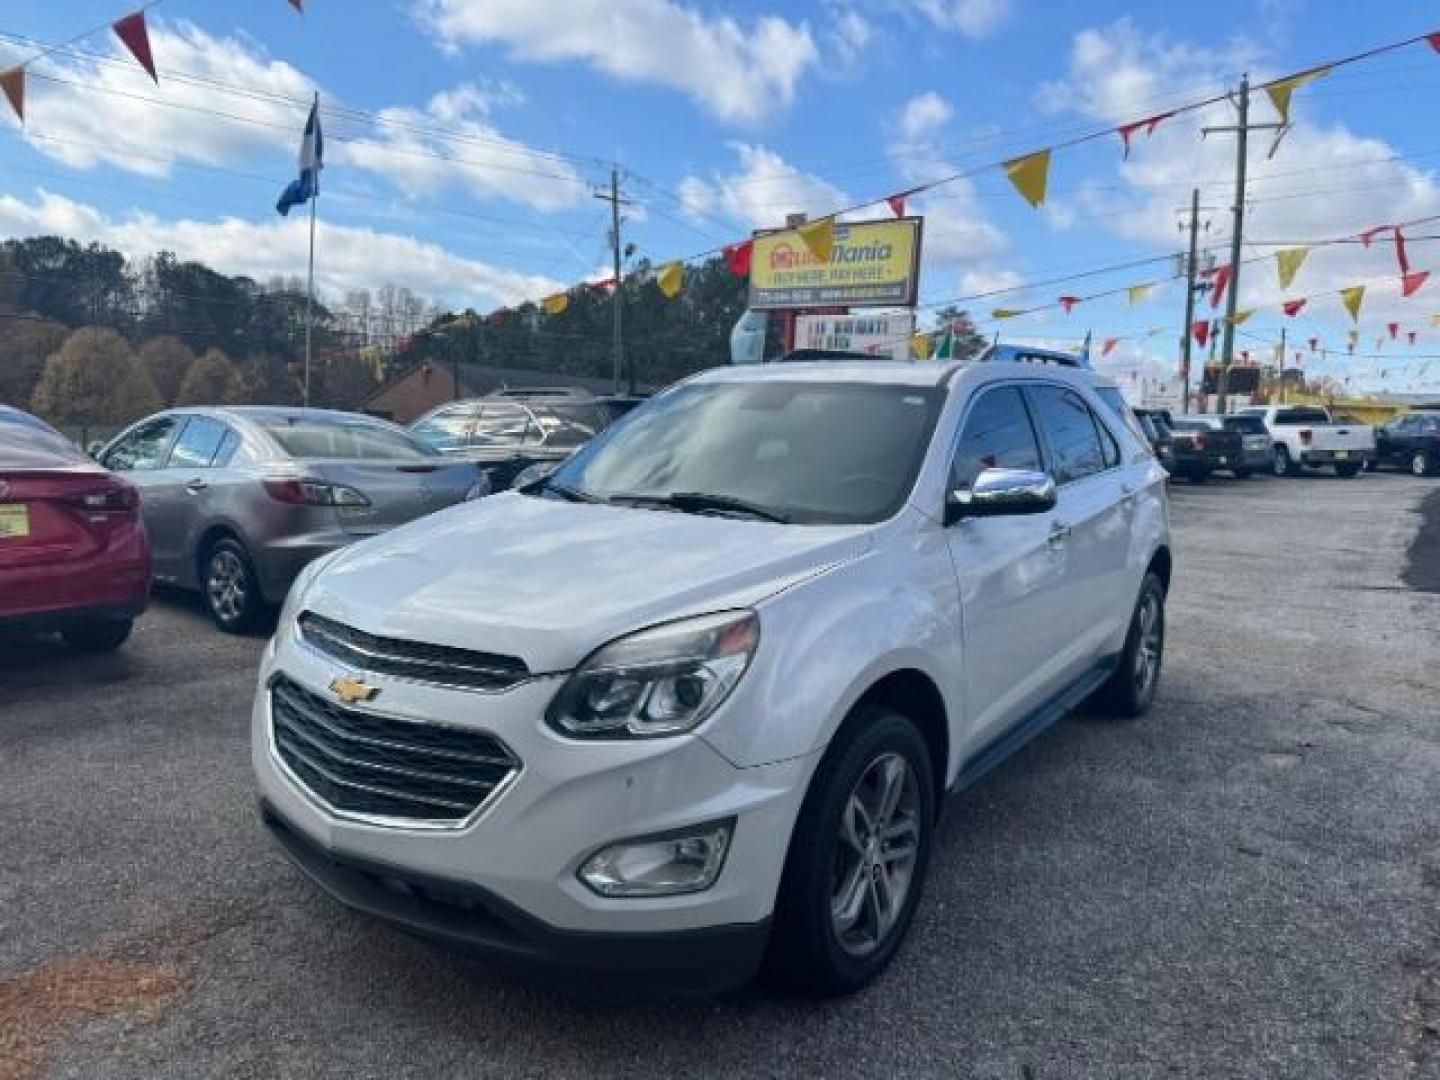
{"type": "Point", "coordinates": [1400, 257]}
{"type": "Point", "coordinates": [1068, 303]}
{"type": "Point", "coordinates": [819, 238]}
{"type": "Point", "coordinates": [1288, 263]}
{"type": "Point", "coordinates": [1293, 307]}
{"type": "Point", "coordinates": [1201, 330]}
{"type": "Point", "coordinates": [1394, 329]}
{"type": "Point", "coordinates": [1280, 91]}
{"type": "Point", "coordinates": [1410, 284]}
{"type": "Point", "coordinates": [1218, 283]}
{"type": "Point", "coordinates": [1240, 316]}
{"type": "Point", "coordinates": [1136, 293]}
{"type": "Point", "coordinates": [1352, 298]}
{"type": "Point", "coordinates": [557, 303]}
{"type": "Point", "coordinates": [920, 346]}
{"type": "Point", "coordinates": [897, 201]}
{"type": "Point", "coordinates": [1435, 320]}
{"type": "Point", "coordinates": [737, 257]}
{"type": "Point", "coordinates": [670, 277]}
{"type": "Point", "coordinates": [1006, 313]}
{"type": "Point", "coordinates": [131, 30]}
{"type": "Point", "coordinates": [1434, 40]}
{"type": "Point", "coordinates": [12, 81]}
{"type": "Point", "coordinates": [1108, 346]}
{"type": "Point", "coordinates": [1150, 123]}
{"type": "Point", "coordinates": [1030, 174]}
{"type": "Point", "coordinates": [1367, 237]}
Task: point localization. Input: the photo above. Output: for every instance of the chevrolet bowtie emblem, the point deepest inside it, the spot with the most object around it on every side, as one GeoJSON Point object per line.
{"type": "Point", "coordinates": [351, 689]}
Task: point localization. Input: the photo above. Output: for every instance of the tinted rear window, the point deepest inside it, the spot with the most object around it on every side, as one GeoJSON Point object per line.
{"type": "Point", "coordinates": [1302, 416]}
{"type": "Point", "coordinates": [1246, 425]}
{"type": "Point", "coordinates": [343, 437]}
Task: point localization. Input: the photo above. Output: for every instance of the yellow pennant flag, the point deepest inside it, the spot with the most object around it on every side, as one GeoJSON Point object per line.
{"type": "Point", "coordinates": [920, 346]}
{"type": "Point", "coordinates": [1288, 263]}
{"type": "Point", "coordinates": [1352, 298]}
{"type": "Point", "coordinates": [1006, 313]}
{"type": "Point", "coordinates": [1240, 316]}
{"type": "Point", "coordinates": [557, 303]}
{"type": "Point", "coordinates": [1029, 175]}
{"type": "Point", "coordinates": [12, 81]}
{"type": "Point", "coordinates": [1280, 91]}
{"type": "Point", "coordinates": [1136, 293]}
{"type": "Point", "coordinates": [1435, 320]}
{"type": "Point", "coordinates": [670, 277]}
{"type": "Point", "coordinates": [819, 238]}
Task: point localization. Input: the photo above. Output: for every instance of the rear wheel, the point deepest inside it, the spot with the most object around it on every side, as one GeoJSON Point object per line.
{"type": "Point", "coordinates": [98, 635]}
{"type": "Point", "coordinates": [1348, 471]}
{"type": "Point", "coordinates": [1420, 463]}
{"type": "Point", "coordinates": [1130, 690]}
{"type": "Point", "coordinates": [858, 856]}
{"type": "Point", "coordinates": [232, 591]}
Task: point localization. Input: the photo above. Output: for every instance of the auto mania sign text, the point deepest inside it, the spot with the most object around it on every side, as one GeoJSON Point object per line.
{"type": "Point", "coordinates": [872, 264]}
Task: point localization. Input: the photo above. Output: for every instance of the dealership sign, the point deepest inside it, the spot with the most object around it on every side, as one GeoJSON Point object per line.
{"type": "Point", "coordinates": [872, 264]}
{"type": "Point", "coordinates": [875, 335]}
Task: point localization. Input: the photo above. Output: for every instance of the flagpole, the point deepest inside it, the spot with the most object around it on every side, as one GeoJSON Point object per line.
{"type": "Point", "coordinates": [310, 287]}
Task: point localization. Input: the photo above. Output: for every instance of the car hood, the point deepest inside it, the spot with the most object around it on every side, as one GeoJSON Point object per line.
{"type": "Point", "coordinates": [552, 581]}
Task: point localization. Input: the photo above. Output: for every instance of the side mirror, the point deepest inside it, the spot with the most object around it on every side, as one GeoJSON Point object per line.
{"type": "Point", "coordinates": [1002, 492]}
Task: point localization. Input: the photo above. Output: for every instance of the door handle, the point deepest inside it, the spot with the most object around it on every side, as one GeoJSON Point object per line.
{"type": "Point", "coordinates": [1059, 533]}
{"type": "Point", "coordinates": [196, 486]}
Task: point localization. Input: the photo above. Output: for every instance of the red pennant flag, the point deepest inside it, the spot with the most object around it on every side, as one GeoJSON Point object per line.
{"type": "Point", "coordinates": [1394, 329]}
{"type": "Point", "coordinates": [897, 201]}
{"type": "Point", "coordinates": [1292, 307]}
{"type": "Point", "coordinates": [131, 30]}
{"type": "Point", "coordinates": [12, 81]}
{"type": "Point", "coordinates": [1149, 124]}
{"type": "Point", "coordinates": [1220, 279]}
{"type": "Point", "coordinates": [1368, 236]}
{"type": "Point", "coordinates": [1410, 336]}
{"type": "Point", "coordinates": [1108, 346]}
{"type": "Point", "coordinates": [1434, 40]}
{"type": "Point", "coordinates": [1068, 302]}
{"type": "Point", "coordinates": [1400, 255]}
{"type": "Point", "coordinates": [1201, 330]}
{"type": "Point", "coordinates": [1410, 284]}
{"type": "Point", "coordinates": [737, 257]}
{"type": "Point", "coordinates": [1314, 343]}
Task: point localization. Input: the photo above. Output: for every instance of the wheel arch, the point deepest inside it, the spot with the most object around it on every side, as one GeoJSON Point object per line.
{"type": "Point", "coordinates": [914, 695]}
{"type": "Point", "coordinates": [207, 538]}
{"type": "Point", "coordinates": [1163, 564]}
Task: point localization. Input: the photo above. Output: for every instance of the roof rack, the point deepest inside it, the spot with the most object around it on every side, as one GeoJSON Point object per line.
{"type": "Point", "coordinates": [1025, 354]}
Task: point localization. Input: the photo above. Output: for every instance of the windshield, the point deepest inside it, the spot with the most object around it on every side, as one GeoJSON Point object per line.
{"type": "Point", "coordinates": [343, 437]}
{"type": "Point", "coordinates": [806, 452]}
{"type": "Point", "coordinates": [1247, 425]}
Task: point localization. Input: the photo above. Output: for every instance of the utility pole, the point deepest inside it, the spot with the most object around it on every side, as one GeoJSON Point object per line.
{"type": "Point", "coordinates": [1242, 130]}
{"type": "Point", "coordinates": [1281, 367]}
{"type": "Point", "coordinates": [618, 294]}
{"type": "Point", "coordinates": [1185, 333]}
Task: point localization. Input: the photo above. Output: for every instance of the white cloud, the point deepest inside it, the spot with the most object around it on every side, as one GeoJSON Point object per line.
{"type": "Point", "coordinates": [346, 257]}
{"type": "Point", "coordinates": [923, 114]}
{"type": "Point", "coordinates": [850, 34]}
{"type": "Point", "coordinates": [765, 188]}
{"type": "Point", "coordinates": [87, 113]}
{"type": "Point", "coordinates": [740, 73]}
{"type": "Point", "coordinates": [973, 18]}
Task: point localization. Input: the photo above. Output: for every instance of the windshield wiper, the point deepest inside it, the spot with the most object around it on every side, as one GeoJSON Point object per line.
{"type": "Point", "coordinates": [570, 494]}
{"type": "Point", "coordinates": [693, 502]}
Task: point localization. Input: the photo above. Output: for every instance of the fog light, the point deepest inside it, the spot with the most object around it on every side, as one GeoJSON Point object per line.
{"type": "Point", "coordinates": [670, 864]}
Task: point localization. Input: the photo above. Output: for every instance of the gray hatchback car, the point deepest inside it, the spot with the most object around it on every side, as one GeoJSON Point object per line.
{"type": "Point", "coordinates": [237, 500]}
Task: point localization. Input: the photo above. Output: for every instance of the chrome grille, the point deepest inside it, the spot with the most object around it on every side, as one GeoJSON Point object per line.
{"type": "Point", "coordinates": [373, 766]}
{"type": "Point", "coordinates": [442, 664]}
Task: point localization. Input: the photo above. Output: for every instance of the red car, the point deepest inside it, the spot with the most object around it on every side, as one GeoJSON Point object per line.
{"type": "Point", "coordinates": [73, 554]}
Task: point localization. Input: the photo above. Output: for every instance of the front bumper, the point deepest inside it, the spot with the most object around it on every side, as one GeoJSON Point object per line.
{"type": "Point", "coordinates": [469, 918]}
{"type": "Point", "coordinates": [516, 860]}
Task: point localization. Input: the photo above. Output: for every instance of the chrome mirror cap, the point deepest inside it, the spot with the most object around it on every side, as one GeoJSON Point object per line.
{"type": "Point", "coordinates": [998, 492]}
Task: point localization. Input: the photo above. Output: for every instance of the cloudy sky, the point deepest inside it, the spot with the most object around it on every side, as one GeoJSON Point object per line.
{"type": "Point", "coordinates": [466, 138]}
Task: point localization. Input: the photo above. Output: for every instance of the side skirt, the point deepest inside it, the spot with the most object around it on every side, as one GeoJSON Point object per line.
{"type": "Point", "coordinates": [1016, 737]}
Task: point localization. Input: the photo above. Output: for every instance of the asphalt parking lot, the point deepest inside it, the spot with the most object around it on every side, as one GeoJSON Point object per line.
{"type": "Point", "coordinates": [1245, 883]}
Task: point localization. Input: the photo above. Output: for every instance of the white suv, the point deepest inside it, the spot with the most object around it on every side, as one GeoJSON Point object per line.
{"type": "Point", "coordinates": [696, 697]}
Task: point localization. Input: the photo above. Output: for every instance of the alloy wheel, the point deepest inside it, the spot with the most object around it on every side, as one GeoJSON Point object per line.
{"type": "Point", "coordinates": [225, 585]}
{"type": "Point", "coordinates": [1150, 641]}
{"type": "Point", "coordinates": [875, 854]}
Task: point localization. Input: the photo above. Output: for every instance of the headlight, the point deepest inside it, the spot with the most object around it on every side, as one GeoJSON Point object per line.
{"type": "Point", "coordinates": [660, 681]}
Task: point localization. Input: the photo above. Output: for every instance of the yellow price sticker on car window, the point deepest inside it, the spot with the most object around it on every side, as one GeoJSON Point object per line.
{"type": "Point", "coordinates": [14, 521]}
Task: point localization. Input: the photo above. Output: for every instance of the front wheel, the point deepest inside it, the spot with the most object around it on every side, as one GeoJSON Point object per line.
{"type": "Point", "coordinates": [1130, 690]}
{"type": "Point", "coordinates": [858, 856]}
{"type": "Point", "coordinates": [1348, 471]}
{"type": "Point", "coordinates": [232, 591]}
{"type": "Point", "coordinates": [1284, 464]}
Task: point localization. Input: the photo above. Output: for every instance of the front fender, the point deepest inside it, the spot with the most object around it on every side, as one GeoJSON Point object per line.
{"type": "Point", "coordinates": [825, 642]}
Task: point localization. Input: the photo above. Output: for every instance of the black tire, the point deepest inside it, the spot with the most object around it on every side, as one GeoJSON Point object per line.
{"type": "Point", "coordinates": [230, 587]}
{"type": "Point", "coordinates": [1284, 464]}
{"type": "Point", "coordinates": [1421, 464]}
{"type": "Point", "coordinates": [1128, 692]}
{"type": "Point", "coordinates": [98, 635]}
{"type": "Point", "coordinates": [806, 949]}
{"type": "Point", "coordinates": [1241, 474]}
{"type": "Point", "coordinates": [1348, 471]}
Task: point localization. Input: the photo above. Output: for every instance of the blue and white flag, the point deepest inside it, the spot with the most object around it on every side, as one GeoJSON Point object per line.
{"type": "Point", "coordinates": [312, 153]}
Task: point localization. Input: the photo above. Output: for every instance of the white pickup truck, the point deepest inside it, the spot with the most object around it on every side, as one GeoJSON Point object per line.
{"type": "Point", "coordinates": [1306, 435]}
